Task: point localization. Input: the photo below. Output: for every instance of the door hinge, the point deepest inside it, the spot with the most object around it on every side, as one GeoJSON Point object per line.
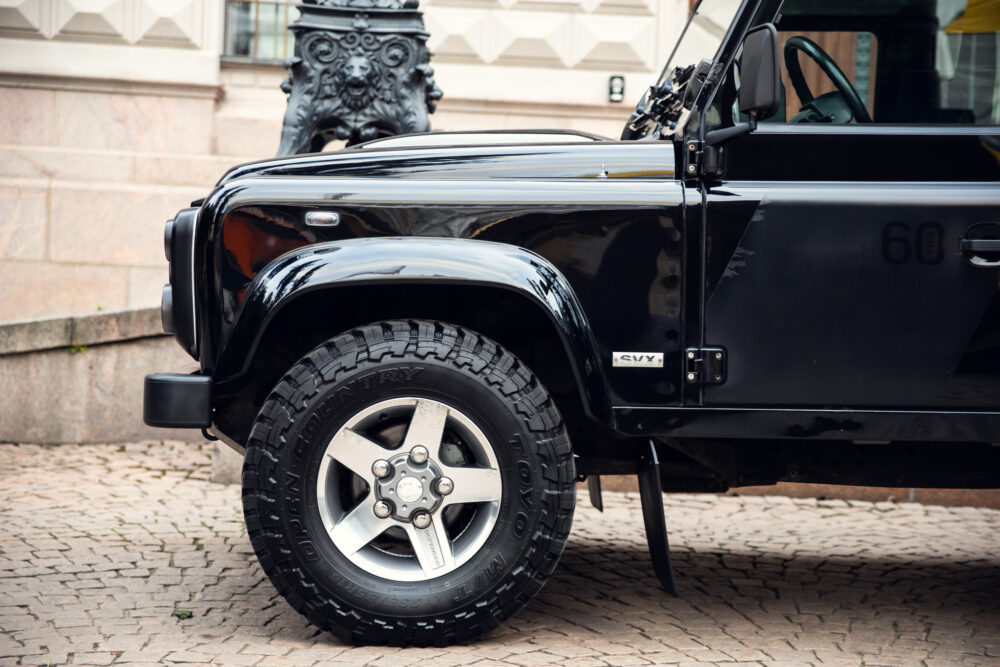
{"type": "Point", "coordinates": [705, 365]}
{"type": "Point", "coordinates": [702, 160]}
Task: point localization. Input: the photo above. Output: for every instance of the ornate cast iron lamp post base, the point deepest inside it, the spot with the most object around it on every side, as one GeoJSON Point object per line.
{"type": "Point", "coordinates": [360, 72]}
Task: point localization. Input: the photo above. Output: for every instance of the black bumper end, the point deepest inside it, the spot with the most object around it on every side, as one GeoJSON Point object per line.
{"type": "Point", "coordinates": [176, 400]}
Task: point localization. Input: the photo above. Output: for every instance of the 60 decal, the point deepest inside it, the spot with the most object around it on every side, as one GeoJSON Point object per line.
{"type": "Point", "coordinates": [901, 243]}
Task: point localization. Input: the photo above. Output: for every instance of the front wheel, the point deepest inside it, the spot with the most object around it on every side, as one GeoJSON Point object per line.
{"type": "Point", "coordinates": [408, 483]}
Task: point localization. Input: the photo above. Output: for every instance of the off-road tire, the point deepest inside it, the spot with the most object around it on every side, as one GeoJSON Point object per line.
{"type": "Point", "coordinates": [363, 367]}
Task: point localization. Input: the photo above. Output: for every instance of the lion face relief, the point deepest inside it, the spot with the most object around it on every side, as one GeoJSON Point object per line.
{"type": "Point", "coordinates": [356, 77]}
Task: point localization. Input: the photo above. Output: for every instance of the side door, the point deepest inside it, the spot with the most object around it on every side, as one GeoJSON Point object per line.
{"type": "Point", "coordinates": [854, 265]}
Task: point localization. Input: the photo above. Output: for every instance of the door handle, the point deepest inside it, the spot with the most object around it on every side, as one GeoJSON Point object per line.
{"type": "Point", "coordinates": [972, 247]}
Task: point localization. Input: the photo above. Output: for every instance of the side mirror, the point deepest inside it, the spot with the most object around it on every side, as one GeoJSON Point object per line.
{"type": "Point", "coordinates": [760, 92]}
{"type": "Point", "coordinates": [760, 86]}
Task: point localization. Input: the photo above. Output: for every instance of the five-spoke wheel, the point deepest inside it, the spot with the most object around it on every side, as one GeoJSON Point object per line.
{"type": "Point", "coordinates": [437, 491]}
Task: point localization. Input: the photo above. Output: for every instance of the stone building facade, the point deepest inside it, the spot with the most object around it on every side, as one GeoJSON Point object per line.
{"type": "Point", "coordinates": [116, 113]}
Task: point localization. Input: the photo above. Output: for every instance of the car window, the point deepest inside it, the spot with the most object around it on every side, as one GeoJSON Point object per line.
{"type": "Point", "coordinates": [854, 53]}
{"type": "Point", "coordinates": [969, 61]}
{"type": "Point", "coordinates": [890, 61]}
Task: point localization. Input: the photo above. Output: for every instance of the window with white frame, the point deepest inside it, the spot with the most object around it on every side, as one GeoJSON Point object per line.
{"type": "Point", "coordinates": [259, 30]}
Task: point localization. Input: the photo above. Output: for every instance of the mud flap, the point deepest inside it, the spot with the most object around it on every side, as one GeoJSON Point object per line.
{"type": "Point", "coordinates": [594, 489]}
{"type": "Point", "coordinates": [651, 495]}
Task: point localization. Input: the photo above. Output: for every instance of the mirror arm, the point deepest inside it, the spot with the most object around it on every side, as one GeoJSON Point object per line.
{"type": "Point", "coordinates": [710, 154]}
{"type": "Point", "coordinates": [719, 137]}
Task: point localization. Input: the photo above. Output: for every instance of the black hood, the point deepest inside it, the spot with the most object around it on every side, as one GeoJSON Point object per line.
{"type": "Point", "coordinates": [464, 155]}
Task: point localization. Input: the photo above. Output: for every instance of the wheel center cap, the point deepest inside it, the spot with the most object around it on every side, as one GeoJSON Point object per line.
{"type": "Point", "coordinates": [409, 489]}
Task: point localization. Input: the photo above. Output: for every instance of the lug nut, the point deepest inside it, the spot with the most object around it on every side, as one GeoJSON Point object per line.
{"type": "Point", "coordinates": [445, 486]}
{"type": "Point", "coordinates": [381, 468]}
{"type": "Point", "coordinates": [382, 509]}
{"type": "Point", "coordinates": [418, 454]}
{"type": "Point", "coordinates": [421, 519]}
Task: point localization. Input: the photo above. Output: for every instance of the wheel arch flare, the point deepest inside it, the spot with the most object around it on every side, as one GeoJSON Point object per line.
{"type": "Point", "coordinates": [399, 261]}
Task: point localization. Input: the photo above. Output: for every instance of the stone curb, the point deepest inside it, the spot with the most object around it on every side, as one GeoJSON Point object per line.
{"type": "Point", "coordinates": [80, 379]}
{"type": "Point", "coordinates": [79, 330]}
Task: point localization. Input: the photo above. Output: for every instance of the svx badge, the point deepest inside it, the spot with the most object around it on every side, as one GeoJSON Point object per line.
{"type": "Point", "coordinates": [637, 359]}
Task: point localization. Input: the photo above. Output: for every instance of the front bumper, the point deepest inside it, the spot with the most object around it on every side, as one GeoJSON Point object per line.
{"type": "Point", "coordinates": [177, 400]}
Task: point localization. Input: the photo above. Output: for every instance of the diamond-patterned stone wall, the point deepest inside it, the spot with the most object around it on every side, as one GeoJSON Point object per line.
{"type": "Point", "coordinates": [173, 23]}
{"type": "Point", "coordinates": [102, 20]}
{"type": "Point", "coordinates": [21, 17]}
{"type": "Point", "coordinates": [620, 35]}
{"type": "Point", "coordinates": [169, 22]}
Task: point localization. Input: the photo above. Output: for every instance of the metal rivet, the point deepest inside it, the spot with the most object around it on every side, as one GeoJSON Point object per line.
{"type": "Point", "coordinates": [691, 168]}
{"type": "Point", "coordinates": [690, 355]}
{"type": "Point", "coordinates": [445, 486]}
{"type": "Point", "coordinates": [691, 376]}
{"type": "Point", "coordinates": [718, 355]}
{"type": "Point", "coordinates": [381, 468]}
{"type": "Point", "coordinates": [382, 509]}
{"type": "Point", "coordinates": [421, 519]}
{"type": "Point", "coordinates": [718, 377]}
{"type": "Point", "coordinates": [419, 454]}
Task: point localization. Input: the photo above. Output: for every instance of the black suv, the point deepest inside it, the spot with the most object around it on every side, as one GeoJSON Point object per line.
{"type": "Point", "coordinates": [786, 269]}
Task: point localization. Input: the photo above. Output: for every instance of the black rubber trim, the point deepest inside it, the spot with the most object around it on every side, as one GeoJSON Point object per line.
{"type": "Point", "coordinates": [168, 239]}
{"type": "Point", "coordinates": [182, 279]}
{"type": "Point", "coordinates": [176, 400]}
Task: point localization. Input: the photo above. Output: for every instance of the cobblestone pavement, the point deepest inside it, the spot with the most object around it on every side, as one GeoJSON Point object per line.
{"type": "Point", "coordinates": [103, 548]}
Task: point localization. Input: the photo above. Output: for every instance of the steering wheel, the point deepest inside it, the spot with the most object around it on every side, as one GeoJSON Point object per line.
{"type": "Point", "coordinates": [829, 108]}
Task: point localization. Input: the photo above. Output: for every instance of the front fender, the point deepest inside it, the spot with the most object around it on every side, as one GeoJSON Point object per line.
{"type": "Point", "coordinates": [420, 260]}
